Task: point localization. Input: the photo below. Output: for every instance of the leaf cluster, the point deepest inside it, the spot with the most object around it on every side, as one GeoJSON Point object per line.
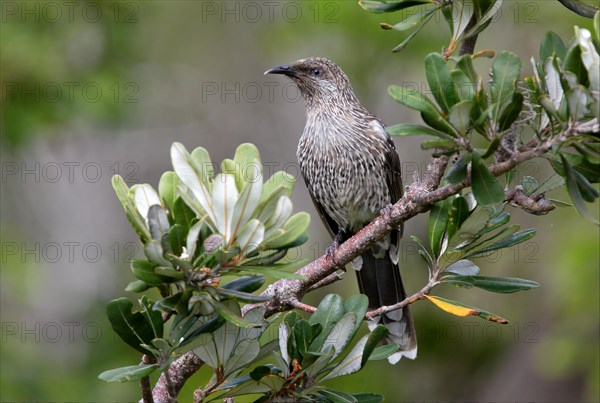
{"type": "Point", "coordinates": [198, 228]}
{"type": "Point", "coordinates": [457, 14]}
{"type": "Point", "coordinates": [460, 232]}
{"type": "Point", "coordinates": [314, 350]}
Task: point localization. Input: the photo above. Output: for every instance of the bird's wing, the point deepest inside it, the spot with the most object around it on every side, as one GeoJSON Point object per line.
{"type": "Point", "coordinates": [394, 182]}
{"type": "Point", "coordinates": [329, 222]}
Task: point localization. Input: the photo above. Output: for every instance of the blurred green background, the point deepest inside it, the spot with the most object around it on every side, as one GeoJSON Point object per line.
{"type": "Point", "coordinates": [90, 89]}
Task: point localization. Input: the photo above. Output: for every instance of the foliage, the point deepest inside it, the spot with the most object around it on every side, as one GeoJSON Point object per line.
{"type": "Point", "coordinates": [559, 106]}
{"type": "Point", "coordinates": [196, 229]}
{"type": "Point", "coordinates": [465, 18]}
{"type": "Point", "coordinates": [315, 350]}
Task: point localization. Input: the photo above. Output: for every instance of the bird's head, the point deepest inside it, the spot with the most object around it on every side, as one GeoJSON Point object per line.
{"type": "Point", "coordinates": [319, 80]}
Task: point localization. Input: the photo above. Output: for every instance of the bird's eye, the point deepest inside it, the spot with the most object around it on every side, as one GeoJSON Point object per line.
{"type": "Point", "coordinates": [316, 72]}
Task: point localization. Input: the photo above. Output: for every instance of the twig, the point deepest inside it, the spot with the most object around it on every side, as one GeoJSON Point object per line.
{"type": "Point", "coordinates": [332, 278]}
{"type": "Point", "coordinates": [534, 205]}
{"type": "Point", "coordinates": [304, 307]}
{"type": "Point", "coordinates": [145, 381]}
{"type": "Point", "coordinates": [179, 371]}
{"type": "Point", "coordinates": [468, 45]}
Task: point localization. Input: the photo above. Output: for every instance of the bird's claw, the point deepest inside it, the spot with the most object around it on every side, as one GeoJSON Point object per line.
{"type": "Point", "coordinates": [331, 249]}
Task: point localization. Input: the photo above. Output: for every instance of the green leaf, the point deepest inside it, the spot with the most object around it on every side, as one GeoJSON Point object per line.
{"type": "Point", "coordinates": [133, 215]}
{"type": "Point", "coordinates": [358, 304]}
{"type": "Point", "coordinates": [465, 64]}
{"type": "Point", "coordinates": [494, 284]}
{"type": "Point", "coordinates": [293, 229]}
{"type": "Point", "coordinates": [245, 284]}
{"type": "Point", "coordinates": [514, 239]}
{"type": "Point", "coordinates": [440, 81]}
{"type": "Point", "coordinates": [575, 193]}
{"type": "Point", "coordinates": [279, 181]}
{"type": "Point", "coordinates": [572, 62]}
{"type": "Point", "coordinates": [158, 223]}
{"type": "Point", "coordinates": [243, 296]}
{"type": "Point", "coordinates": [351, 363]}
{"type": "Point", "coordinates": [577, 102]}
{"type": "Point", "coordinates": [368, 398]}
{"type": "Point", "coordinates": [376, 336]}
{"type": "Point", "coordinates": [208, 326]}
{"type": "Point", "coordinates": [413, 99]}
{"type": "Point", "coordinates": [491, 148]}
{"type": "Point", "coordinates": [414, 21]}
{"type": "Point", "coordinates": [506, 70]}
{"type": "Point", "coordinates": [167, 189]}
{"type": "Point", "coordinates": [463, 267]}
{"type": "Point", "coordinates": [154, 253]}
{"type": "Point", "coordinates": [335, 396]}
{"type": "Point", "coordinates": [260, 372]}
{"type": "Point", "coordinates": [342, 333]}
{"type": "Point", "coordinates": [409, 38]}
{"type": "Point", "coordinates": [459, 212]}
{"type": "Point", "coordinates": [137, 286]}
{"type": "Point", "coordinates": [552, 45]}
{"type": "Point", "coordinates": [383, 352]}
{"type": "Point", "coordinates": [273, 271]}
{"type": "Point", "coordinates": [302, 334]}
{"type": "Point", "coordinates": [250, 236]}
{"type": "Point", "coordinates": [486, 188]}
{"type": "Point", "coordinates": [327, 355]}
{"type": "Point", "coordinates": [378, 6]}
{"type": "Point", "coordinates": [135, 328]}
{"type": "Point", "coordinates": [230, 316]}
{"type": "Point", "coordinates": [486, 18]}
{"type": "Point", "coordinates": [195, 171]}
{"type": "Point", "coordinates": [182, 214]}
{"type": "Point", "coordinates": [247, 160]}
{"type": "Point", "coordinates": [251, 184]}
{"type": "Point", "coordinates": [404, 129]}
{"type": "Point", "coordinates": [144, 270]}
{"type": "Point", "coordinates": [177, 239]}
{"type": "Point", "coordinates": [510, 112]}
{"type": "Point", "coordinates": [128, 374]}
{"type": "Point", "coordinates": [474, 226]}
{"type": "Point", "coordinates": [465, 88]}
{"type": "Point", "coordinates": [458, 172]}
{"type": "Point", "coordinates": [176, 303]}
{"type": "Point", "coordinates": [460, 116]}
{"type": "Point", "coordinates": [438, 220]}
{"type": "Point", "coordinates": [462, 10]}
{"type": "Point", "coordinates": [460, 309]}
{"type": "Point", "coordinates": [224, 199]}
{"type": "Point", "coordinates": [328, 313]}
{"type": "Point", "coordinates": [581, 8]}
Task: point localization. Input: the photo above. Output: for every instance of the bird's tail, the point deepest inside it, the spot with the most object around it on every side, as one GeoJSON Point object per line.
{"type": "Point", "coordinates": [380, 281]}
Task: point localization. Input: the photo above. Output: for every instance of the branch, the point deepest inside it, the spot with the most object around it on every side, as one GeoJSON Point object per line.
{"type": "Point", "coordinates": [145, 381]}
{"type": "Point", "coordinates": [419, 197]}
{"type": "Point", "coordinates": [534, 205]}
{"type": "Point", "coordinates": [170, 382]}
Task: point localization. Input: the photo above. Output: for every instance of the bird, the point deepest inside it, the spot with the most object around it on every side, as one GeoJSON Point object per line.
{"type": "Point", "coordinates": [352, 171]}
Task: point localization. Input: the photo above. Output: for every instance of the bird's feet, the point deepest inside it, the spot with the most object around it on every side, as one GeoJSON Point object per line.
{"type": "Point", "coordinates": [336, 242]}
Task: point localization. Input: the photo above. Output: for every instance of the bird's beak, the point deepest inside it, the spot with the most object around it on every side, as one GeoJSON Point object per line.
{"type": "Point", "coordinates": [285, 69]}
